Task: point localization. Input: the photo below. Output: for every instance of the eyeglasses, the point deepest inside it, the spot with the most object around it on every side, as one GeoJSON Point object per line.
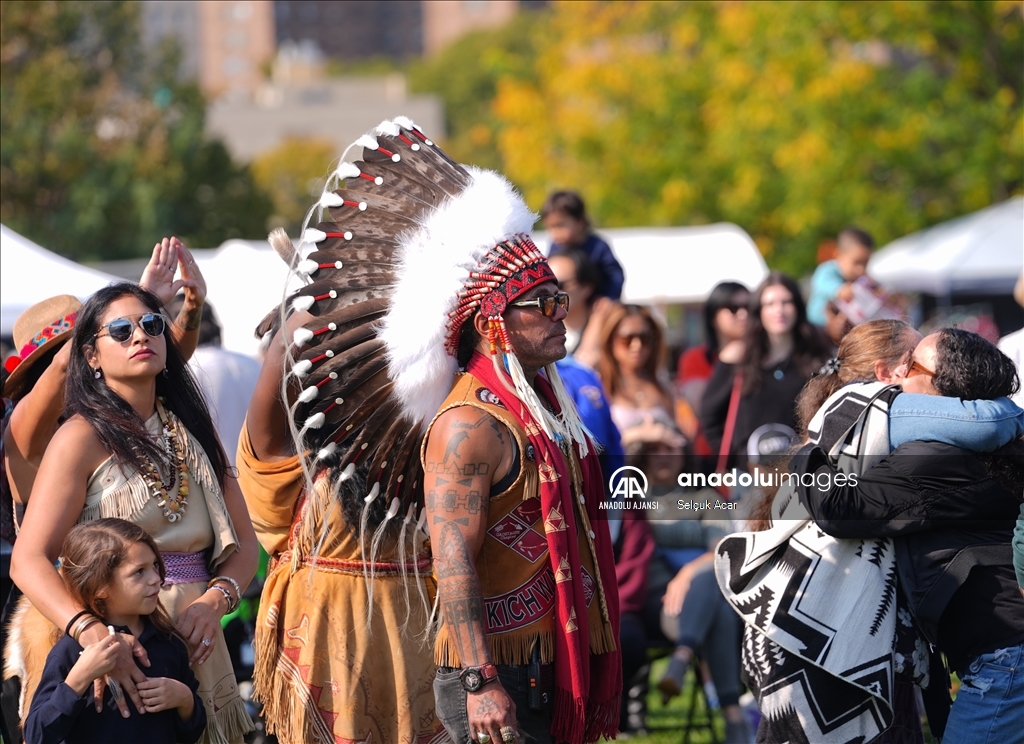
{"type": "Point", "coordinates": [627, 339]}
{"type": "Point", "coordinates": [546, 303]}
{"type": "Point", "coordinates": [121, 329]}
{"type": "Point", "coordinates": [916, 368]}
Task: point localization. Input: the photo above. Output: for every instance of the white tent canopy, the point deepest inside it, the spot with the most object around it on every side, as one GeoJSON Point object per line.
{"type": "Point", "coordinates": [682, 264]}
{"type": "Point", "coordinates": [979, 253]}
{"type": "Point", "coordinates": [30, 273]}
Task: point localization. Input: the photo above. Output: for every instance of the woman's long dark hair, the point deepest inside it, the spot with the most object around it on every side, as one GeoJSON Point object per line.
{"type": "Point", "coordinates": [809, 347]}
{"type": "Point", "coordinates": [721, 296]}
{"type": "Point", "coordinates": [121, 430]}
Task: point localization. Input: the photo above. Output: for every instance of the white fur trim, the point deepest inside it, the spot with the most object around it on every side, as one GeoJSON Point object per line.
{"type": "Point", "coordinates": [304, 302]}
{"type": "Point", "coordinates": [387, 128]}
{"type": "Point", "coordinates": [404, 122]}
{"type": "Point", "coordinates": [330, 199]}
{"type": "Point", "coordinates": [373, 493]}
{"type": "Point", "coordinates": [302, 367]}
{"type": "Point", "coordinates": [312, 235]}
{"type": "Point", "coordinates": [347, 473]}
{"type": "Point", "coordinates": [302, 335]}
{"type": "Point", "coordinates": [327, 451]}
{"type": "Point", "coordinates": [433, 264]}
{"type": "Point", "coordinates": [309, 394]}
{"type": "Point", "coordinates": [368, 142]}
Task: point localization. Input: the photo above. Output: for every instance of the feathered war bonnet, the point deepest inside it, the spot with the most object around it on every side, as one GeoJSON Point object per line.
{"type": "Point", "coordinates": [405, 254]}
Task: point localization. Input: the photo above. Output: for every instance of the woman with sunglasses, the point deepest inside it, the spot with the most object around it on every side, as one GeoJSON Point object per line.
{"type": "Point", "coordinates": [633, 352]}
{"type": "Point", "coordinates": [140, 446]}
{"type": "Point", "coordinates": [781, 352]}
{"type": "Point", "coordinates": [725, 324]}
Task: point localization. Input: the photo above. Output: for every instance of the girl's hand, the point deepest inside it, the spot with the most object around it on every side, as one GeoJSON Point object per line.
{"type": "Point", "coordinates": [95, 660]}
{"type": "Point", "coordinates": [163, 693]}
{"type": "Point", "coordinates": [126, 673]}
{"type": "Point", "coordinates": [199, 624]}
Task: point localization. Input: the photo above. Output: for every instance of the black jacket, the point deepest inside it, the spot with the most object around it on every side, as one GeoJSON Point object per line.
{"type": "Point", "coordinates": [953, 522]}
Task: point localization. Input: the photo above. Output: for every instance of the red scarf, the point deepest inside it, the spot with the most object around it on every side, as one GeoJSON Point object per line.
{"type": "Point", "coordinates": [587, 688]}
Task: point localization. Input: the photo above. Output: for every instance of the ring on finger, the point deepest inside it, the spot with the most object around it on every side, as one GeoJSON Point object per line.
{"type": "Point", "coordinates": [509, 734]}
{"type": "Point", "coordinates": [483, 737]}
{"type": "Point", "coordinates": [207, 642]}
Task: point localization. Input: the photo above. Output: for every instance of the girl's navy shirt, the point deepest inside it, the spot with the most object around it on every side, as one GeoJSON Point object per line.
{"type": "Point", "coordinates": [59, 716]}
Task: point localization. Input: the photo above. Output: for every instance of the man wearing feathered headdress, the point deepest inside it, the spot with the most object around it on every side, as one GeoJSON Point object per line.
{"type": "Point", "coordinates": [419, 365]}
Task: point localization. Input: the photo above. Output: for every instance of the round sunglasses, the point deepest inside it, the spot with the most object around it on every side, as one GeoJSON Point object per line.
{"type": "Point", "coordinates": [121, 329]}
{"type": "Point", "coordinates": [546, 303]}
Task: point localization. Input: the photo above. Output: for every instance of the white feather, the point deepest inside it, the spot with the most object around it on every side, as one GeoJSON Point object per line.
{"type": "Point", "coordinates": [327, 451]}
{"type": "Point", "coordinates": [373, 493]}
{"type": "Point", "coordinates": [302, 367]}
{"type": "Point", "coordinates": [393, 509]}
{"type": "Point", "coordinates": [309, 394]}
{"type": "Point", "coordinates": [434, 262]}
{"type": "Point", "coordinates": [368, 141]}
{"type": "Point", "coordinates": [303, 302]}
{"type": "Point", "coordinates": [348, 472]}
{"type": "Point", "coordinates": [307, 266]}
{"type": "Point", "coordinates": [404, 122]}
{"type": "Point", "coordinates": [315, 421]}
{"type": "Point", "coordinates": [302, 335]}
{"type": "Point", "coordinates": [312, 235]}
{"type": "Point", "coordinates": [387, 128]}
{"type": "Point", "coordinates": [347, 170]}
{"type": "Point", "coordinates": [330, 199]}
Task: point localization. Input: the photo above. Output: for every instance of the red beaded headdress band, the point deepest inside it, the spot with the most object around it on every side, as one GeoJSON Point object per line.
{"type": "Point", "coordinates": [510, 270]}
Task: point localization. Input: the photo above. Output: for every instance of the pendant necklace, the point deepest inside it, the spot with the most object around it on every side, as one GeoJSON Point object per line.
{"type": "Point", "coordinates": [173, 502]}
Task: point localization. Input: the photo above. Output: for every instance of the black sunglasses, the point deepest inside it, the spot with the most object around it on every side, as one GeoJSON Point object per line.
{"type": "Point", "coordinates": [546, 303]}
{"type": "Point", "coordinates": [121, 329]}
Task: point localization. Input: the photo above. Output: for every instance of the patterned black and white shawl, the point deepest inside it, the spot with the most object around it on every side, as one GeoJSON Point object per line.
{"type": "Point", "coordinates": [820, 614]}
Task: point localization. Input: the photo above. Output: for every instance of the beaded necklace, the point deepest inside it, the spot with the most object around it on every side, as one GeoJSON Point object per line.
{"type": "Point", "coordinates": [172, 503]}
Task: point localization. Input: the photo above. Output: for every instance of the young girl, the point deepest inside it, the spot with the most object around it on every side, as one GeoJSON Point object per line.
{"type": "Point", "coordinates": [113, 568]}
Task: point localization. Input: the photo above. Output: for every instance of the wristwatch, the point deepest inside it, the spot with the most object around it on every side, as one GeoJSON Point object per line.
{"type": "Point", "coordinates": [473, 678]}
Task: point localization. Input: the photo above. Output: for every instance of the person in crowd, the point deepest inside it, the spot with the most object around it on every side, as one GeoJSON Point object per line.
{"type": "Point", "coordinates": [781, 351]}
{"type": "Point", "coordinates": [577, 277]}
{"type": "Point", "coordinates": [360, 635]}
{"type": "Point", "coordinates": [580, 278]}
{"type": "Point", "coordinates": [114, 569]}
{"type": "Point", "coordinates": [950, 512]}
{"type": "Point", "coordinates": [140, 445]}
{"type": "Point", "coordinates": [833, 278]}
{"type": "Point", "coordinates": [565, 218]}
{"type": "Point", "coordinates": [856, 421]}
{"type": "Point", "coordinates": [226, 378]}
{"type": "Point", "coordinates": [633, 351]}
{"type": "Point", "coordinates": [725, 325]}
{"type": "Point", "coordinates": [566, 644]}
{"type": "Point", "coordinates": [36, 392]}
{"type": "Point", "coordinates": [1013, 346]}
{"type": "Point", "coordinates": [680, 604]}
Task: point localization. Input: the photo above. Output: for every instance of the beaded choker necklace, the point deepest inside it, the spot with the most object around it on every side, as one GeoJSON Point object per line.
{"type": "Point", "coordinates": [172, 503]}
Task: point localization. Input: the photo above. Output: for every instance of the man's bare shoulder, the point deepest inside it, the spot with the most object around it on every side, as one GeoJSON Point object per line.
{"type": "Point", "coordinates": [466, 434]}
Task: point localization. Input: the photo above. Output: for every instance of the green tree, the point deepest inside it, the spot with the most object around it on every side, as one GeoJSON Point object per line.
{"type": "Point", "coordinates": [103, 149]}
{"type": "Point", "coordinates": [791, 119]}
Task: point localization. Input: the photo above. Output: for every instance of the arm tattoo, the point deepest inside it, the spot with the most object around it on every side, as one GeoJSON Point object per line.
{"type": "Point", "coordinates": [189, 320]}
{"type": "Point", "coordinates": [463, 611]}
{"type": "Point", "coordinates": [452, 556]}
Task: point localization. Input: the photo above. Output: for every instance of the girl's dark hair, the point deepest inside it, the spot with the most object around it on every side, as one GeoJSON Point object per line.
{"type": "Point", "coordinates": [809, 346]}
{"type": "Point", "coordinates": [608, 368]}
{"type": "Point", "coordinates": [93, 552]}
{"type": "Point", "coordinates": [566, 202]}
{"type": "Point", "coordinates": [121, 430]}
{"type": "Point", "coordinates": [970, 367]}
{"type": "Point", "coordinates": [468, 339]}
{"type": "Point", "coordinates": [721, 296]}
{"type": "Point", "coordinates": [867, 343]}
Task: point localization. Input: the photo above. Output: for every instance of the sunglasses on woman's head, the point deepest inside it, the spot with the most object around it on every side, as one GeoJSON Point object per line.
{"type": "Point", "coordinates": [121, 329]}
{"type": "Point", "coordinates": [546, 303]}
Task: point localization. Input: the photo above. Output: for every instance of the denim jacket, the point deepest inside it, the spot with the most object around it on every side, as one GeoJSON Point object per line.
{"type": "Point", "coordinates": [976, 425]}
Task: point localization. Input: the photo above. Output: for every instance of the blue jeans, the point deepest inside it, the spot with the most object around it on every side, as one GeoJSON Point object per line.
{"type": "Point", "coordinates": [990, 704]}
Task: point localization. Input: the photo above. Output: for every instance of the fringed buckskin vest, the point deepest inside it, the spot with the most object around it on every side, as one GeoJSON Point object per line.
{"type": "Point", "coordinates": [513, 565]}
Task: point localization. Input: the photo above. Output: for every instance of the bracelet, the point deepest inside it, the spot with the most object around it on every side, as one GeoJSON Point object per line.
{"type": "Point", "coordinates": [227, 596]}
{"type": "Point", "coordinates": [83, 625]}
{"type": "Point", "coordinates": [234, 585]}
{"type": "Point", "coordinates": [73, 620]}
